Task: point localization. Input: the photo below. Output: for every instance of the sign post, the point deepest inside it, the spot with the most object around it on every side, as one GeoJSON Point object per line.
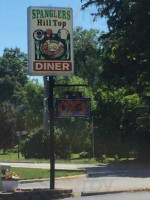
{"type": "Point", "coordinates": [50, 52]}
{"type": "Point", "coordinates": [52, 139]}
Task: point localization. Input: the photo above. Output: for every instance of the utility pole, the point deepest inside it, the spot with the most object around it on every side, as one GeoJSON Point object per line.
{"type": "Point", "coordinates": [19, 138]}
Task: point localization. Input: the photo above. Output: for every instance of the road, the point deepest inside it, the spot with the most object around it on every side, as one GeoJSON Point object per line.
{"type": "Point", "coordinates": [102, 178]}
{"type": "Point", "coordinates": [120, 196]}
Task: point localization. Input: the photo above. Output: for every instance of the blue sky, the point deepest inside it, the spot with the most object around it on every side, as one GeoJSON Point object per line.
{"type": "Point", "coordinates": [13, 20]}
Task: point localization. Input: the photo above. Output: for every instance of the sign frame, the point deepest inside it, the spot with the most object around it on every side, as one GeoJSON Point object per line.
{"type": "Point", "coordinates": [43, 59]}
{"type": "Point", "coordinates": [87, 114]}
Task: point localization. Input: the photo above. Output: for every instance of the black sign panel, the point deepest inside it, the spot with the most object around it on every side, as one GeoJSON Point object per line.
{"type": "Point", "coordinates": [73, 107]}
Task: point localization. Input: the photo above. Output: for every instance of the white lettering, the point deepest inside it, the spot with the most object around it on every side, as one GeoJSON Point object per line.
{"type": "Point", "coordinates": [45, 66]}
{"type": "Point", "coordinates": [39, 66]}
{"type": "Point", "coordinates": [66, 66]}
{"type": "Point", "coordinates": [50, 66]}
{"type": "Point", "coordinates": [58, 66]}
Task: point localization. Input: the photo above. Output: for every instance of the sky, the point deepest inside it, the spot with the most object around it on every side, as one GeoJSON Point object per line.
{"type": "Point", "coordinates": [13, 20]}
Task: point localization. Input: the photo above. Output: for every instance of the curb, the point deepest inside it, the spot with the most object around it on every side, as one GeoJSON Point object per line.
{"type": "Point", "coordinates": [114, 192]}
{"type": "Point", "coordinates": [57, 179]}
{"type": "Point", "coordinates": [17, 162]}
{"type": "Point", "coordinates": [27, 194]}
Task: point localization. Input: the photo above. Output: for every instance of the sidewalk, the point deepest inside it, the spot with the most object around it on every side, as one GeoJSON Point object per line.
{"type": "Point", "coordinates": [47, 165]}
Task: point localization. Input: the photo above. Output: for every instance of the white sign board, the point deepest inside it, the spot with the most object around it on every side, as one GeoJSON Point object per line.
{"type": "Point", "coordinates": [50, 41]}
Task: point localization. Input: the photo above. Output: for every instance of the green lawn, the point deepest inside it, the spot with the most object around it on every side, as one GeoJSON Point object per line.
{"type": "Point", "coordinates": [13, 157]}
{"type": "Point", "coordinates": [29, 173]}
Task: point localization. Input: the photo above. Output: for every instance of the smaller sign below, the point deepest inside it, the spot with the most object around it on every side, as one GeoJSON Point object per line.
{"type": "Point", "coordinates": [73, 107]}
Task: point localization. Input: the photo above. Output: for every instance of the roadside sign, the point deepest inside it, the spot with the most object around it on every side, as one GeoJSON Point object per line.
{"type": "Point", "coordinates": [50, 41]}
{"type": "Point", "coordinates": [73, 107]}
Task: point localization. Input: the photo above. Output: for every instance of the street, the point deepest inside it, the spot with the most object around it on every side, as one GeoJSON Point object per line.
{"type": "Point", "coordinates": [119, 196]}
{"type": "Point", "coordinates": [104, 178]}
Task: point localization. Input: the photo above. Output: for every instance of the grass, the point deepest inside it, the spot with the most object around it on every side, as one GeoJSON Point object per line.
{"type": "Point", "coordinates": [75, 159]}
{"type": "Point", "coordinates": [13, 157]}
{"type": "Point", "coordinates": [29, 173]}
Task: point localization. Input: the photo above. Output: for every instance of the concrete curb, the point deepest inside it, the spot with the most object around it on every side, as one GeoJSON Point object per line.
{"type": "Point", "coordinates": [28, 194]}
{"type": "Point", "coordinates": [57, 179]}
{"type": "Point", "coordinates": [114, 192]}
{"type": "Point", "coordinates": [17, 162]}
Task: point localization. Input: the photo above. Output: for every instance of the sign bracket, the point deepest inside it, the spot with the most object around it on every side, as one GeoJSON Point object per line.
{"type": "Point", "coordinates": [71, 85]}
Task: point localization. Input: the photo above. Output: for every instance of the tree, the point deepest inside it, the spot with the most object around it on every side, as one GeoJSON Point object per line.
{"type": "Point", "coordinates": [7, 127]}
{"type": "Point", "coordinates": [32, 108]}
{"type": "Point", "coordinates": [126, 45]}
{"type": "Point", "coordinates": [125, 65]}
{"type": "Point", "coordinates": [87, 53]}
{"type": "Point", "coordinates": [13, 75]}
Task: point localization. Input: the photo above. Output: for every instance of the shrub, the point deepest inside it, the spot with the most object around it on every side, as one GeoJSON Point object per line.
{"type": "Point", "coordinates": [62, 145]}
{"type": "Point", "coordinates": [37, 145]}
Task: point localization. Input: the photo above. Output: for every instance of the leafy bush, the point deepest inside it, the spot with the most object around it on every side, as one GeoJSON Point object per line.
{"type": "Point", "coordinates": [37, 145]}
{"type": "Point", "coordinates": [62, 145]}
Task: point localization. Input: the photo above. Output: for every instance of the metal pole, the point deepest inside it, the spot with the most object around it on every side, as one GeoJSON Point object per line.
{"type": "Point", "coordinates": [93, 145]}
{"type": "Point", "coordinates": [52, 146]}
{"type": "Point", "coordinates": [18, 138]}
{"type": "Point", "coordinates": [18, 148]}
{"type": "Point", "coordinates": [93, 142]}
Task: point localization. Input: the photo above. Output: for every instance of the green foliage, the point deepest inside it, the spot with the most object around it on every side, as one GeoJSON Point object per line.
{"type": "Point", "coordinates": [13, 75]}
{"type": "Point", "coordinates": [87, 53]}
{"type": "Point", "coordinates": [36, 145]}
{"type": "Point", "coordinates": [7, 127]}
{"type": "Point", "coordinates": [121, 125]}
{"type": "Point", "coordinates": [33, 105]}
{"type": "Point", "coordinates": [63, 146]}
{"type": "Point", "coordinates": [38, 142]}
{"type": "Point", "coordinates": [115, 120]}
{"type": "Point", "coordinates": [126, 45]}
{"type": "Point", "coordinates": [75, 132]}
{"type": "Point", "coordinates": [26, 96]}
